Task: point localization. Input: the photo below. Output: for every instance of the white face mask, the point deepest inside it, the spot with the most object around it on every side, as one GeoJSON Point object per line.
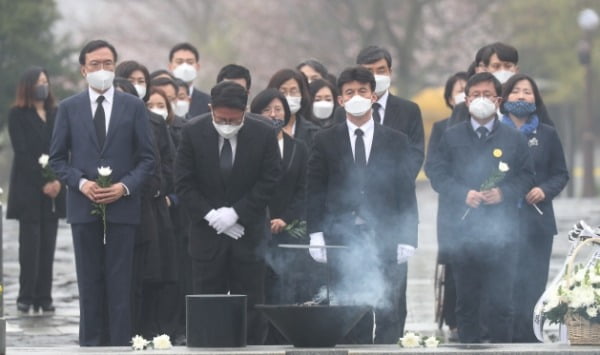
{"type": "Point", "coordinates": [503, 75]}
{"type": "Point", "coordinates": [458, 98]}
{"type": "Point", "coordinates": [482, 108]}
{"type": "Point", "coordinates": [358, 105]}
{"type": "Point", "coordinates": [101, 79]}
{"type": "Point", "coordinates": [382, 83]}
{"type": "Point", "coordinates": [322, 109]}
{"type": "Point", "coordinates": [294, 102]}
{"type": "Point", "coordinates": [161, 112]}
{"type": "Point", "coordinates": [140, 89]}
{"type": "Point", "coordinates": [185, 72]}
{"type": "Point", "coordinates": [181, 107]}
{"type": "Point", "coordinates": [227, 131]}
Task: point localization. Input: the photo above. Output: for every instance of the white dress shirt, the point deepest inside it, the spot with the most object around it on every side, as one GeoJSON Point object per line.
{"type": "Point", "coordinates": [383, 101]}
{"type": "Point", "coordinates": [476, 125]}
{"type": "Point", "coordinates": [367, 129]}
{"type": "Point", "coordinates": [107, 104]}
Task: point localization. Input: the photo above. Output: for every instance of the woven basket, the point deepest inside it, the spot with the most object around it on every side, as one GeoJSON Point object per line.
{"type": "Point", "coordinates": [581, 331]}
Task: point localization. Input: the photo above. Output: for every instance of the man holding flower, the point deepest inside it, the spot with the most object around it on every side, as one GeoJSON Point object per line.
{"type": "Point", "coordinates": [483, 169]}
{"type": "Point", "coordinates": [98, 132]}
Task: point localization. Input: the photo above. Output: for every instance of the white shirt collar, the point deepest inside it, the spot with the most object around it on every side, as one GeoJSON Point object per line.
{"type": "Point", "coordinates": [488, 125]}
{"type": "Point", "coordinates": [108, 95]}
{"type": "Point", "coordinates": [367, 127]}
{"type": "Point", "coordinates": [383, 99]}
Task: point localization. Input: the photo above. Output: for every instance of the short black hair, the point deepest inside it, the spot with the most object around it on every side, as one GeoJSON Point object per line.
{"type": "Point", "coordinates": [161, 72]}
{"type": "Point", "coordinates": [235, 71]}
{"type": "Point", "coordinates": [505, 53]}
{"type": "Point", "coordinates": [185, 46]}
{"type": "Point", "coordinates": [371, 54]}
{"type": "Point", "coordinates": [316, 65]}
{"type": "Point", "coordinates": [125, 86]}
{"type": "Point", "coordinates": [126, 68]}
{"type": "Point", "coordinates": [229, 94]}
{"type": "Point", "coordinates": [162, 81]}
{"type": "Point", "coordinates": [481, 53]}
{"type": "Point", "coordinates": [318, 84]}
{"type": "Point", "coordinates": [510, 84]}
{"type": "Point", "coordinates": [264, 98]}
{"type": "Point", "coordinates": [483, 77]}
{"type": "Point", "coordinates": [360, 74]}
{"type": "Point", "coordinates": [471, 69]}
{"type": "Point", "coordinates": [461, 75]}
{"type": "Point", "coordinates": [94, 45]}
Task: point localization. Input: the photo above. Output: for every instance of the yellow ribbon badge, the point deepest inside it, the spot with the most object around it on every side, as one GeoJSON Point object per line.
{"type": "Point", "coordinates": [497, 153]}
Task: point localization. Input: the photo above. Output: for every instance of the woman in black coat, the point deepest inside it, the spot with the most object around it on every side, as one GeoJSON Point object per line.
{"type": "Point", "coordinates": [36, 197]}
{"type": "Point", "coordinates": [521, 104]}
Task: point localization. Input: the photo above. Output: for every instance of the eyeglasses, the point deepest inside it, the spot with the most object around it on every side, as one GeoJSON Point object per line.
{"type": "Point", "coordinates": [228, 121]}
{"type": "Point", "coordinates": [486, 95]}
{"type": "Point", "coordinates": [97, 65]}
{"type": "Point", "coordinates": [275, 109]}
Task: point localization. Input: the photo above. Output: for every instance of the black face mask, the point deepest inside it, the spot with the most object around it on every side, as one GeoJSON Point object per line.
{"type": "Point", "coordinates": [40, 92]}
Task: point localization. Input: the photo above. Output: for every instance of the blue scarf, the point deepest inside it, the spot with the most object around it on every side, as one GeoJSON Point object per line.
{"type": "Point", "coordinates": [528, 128]}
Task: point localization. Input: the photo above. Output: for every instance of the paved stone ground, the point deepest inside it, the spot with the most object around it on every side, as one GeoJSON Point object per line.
{"type": "Point", "coordinates": [61, 329]}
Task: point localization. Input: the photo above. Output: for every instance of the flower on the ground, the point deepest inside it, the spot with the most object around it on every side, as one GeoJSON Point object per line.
{"type": "Point", "coordinates": [161, 342]}
{"type": "Point", "coordinates": [431, 342]}
{"type": "Point", "coordinates": [43, 160]}
{"type": "Point", "coordinates": [410, 340]}
{"type": "Point", "coordinates": [139, 343]}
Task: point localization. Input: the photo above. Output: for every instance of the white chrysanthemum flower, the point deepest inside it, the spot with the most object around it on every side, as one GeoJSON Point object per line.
{"type": "Point", "coordinates": [431, 342]}
{"type": "Point", "coordinates": [579, 275]}
{"type": "Point", "coordinates": [43, 160]}
{"type": "Point", "coordinates": [162, 342]}
{"type": "Point", "coordinates": [139, 343]}
{"type": "Point", "coordinates": [592, 312]}
{"type": "Point", "coordinates": [410, 340]}
{"type": "Point", "coordinates": [503, 167]}
{"type": "Point", "coordinates": [104, 171]}
{"type": "Point", "coordinates": [594, 277]}
{"type": "Point", "coordinates": [552, 302]}
{"type": "Point", "coordinates": [582, 296]}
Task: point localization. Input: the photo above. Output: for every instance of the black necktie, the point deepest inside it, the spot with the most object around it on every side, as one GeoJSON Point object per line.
{"type": "Point", "coordinates": [376, 116]}
{"type": "Point", "coordinates": [100, 121]}
{"type": "Point", "coordinates": [360, 155]}
{"type": "Point", "coordinates": [483, 132]}
{"type": "Point", "coordinates": [226, 160]}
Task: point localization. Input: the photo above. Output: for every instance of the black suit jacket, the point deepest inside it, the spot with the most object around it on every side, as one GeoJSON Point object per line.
{"type": "Point", "coordinates": [289, 201]}
{"type": "Point", "coordinates": [462, 162]}
{"type": "Point", "coordinates": [30, 138]}
{"type": "Point", "coordinates": [551, 175]}
{"type": "Point", "coordinates": [405, 116]}
{"type": "Point", "coordinates": [337, 193]}
{"type": "Point", "coordinates": [199, 104]}
{"type": "Point", "coordinates": [256, 171]}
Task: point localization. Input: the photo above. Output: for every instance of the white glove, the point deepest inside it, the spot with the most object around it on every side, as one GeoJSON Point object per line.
{"type": "Point", "coordinates": [236, 231]}
{"type": "Point", "coordinates": [404, 252]}
{"type": "Point", "coordinates": [211, 216]}
{"type": "Point", "coordinates": [318, 254]}
{"type": "Point", "coordinates": [225, 218]}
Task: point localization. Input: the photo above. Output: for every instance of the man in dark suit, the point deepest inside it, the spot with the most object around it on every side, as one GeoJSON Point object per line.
{"type": "Point", "coordinates": [361, 194]}
{"type": "Point", "coordinates": [226, 170]}
{"type": "Point", "coordinates": [184, 63]}
{"type": "Point", "coordinates": [482, 217]}
{"type": "Point", "coordinates": [390, 110]}
{"type": "Point", "coordinates": [102, 127]}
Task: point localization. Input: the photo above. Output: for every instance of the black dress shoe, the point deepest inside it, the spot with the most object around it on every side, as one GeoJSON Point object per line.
{"type": "Point", "coordinates": [47, 308]}
{"type": "Point", "coordinates": [23, 307]}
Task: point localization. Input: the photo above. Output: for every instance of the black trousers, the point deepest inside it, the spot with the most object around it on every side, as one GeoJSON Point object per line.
{"type": "Point", "coordinates": [37, 243]}
{"type": "Point", "coordinates": [533, 265]}
{"type": "Point", "coordinates": [104, 282]}
{"type": "Point", "coordinates": [484, 275]}
{"type": "Point", "coordinates": [227, 272]}
{"type": "Point", "coordinates": [449, 310]}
